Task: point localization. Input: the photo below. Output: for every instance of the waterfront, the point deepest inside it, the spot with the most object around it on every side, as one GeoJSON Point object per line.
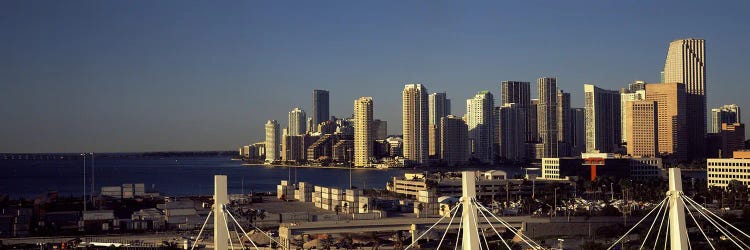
{"type": "Point", "coordinates": [171, 176]}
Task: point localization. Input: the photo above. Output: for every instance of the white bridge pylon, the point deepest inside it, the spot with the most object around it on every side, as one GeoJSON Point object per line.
{"type": "Point", "coordinates": [221, 234]}
{"type": "Point", "coordinates": [671, 212]}
{"type": "Point", "coordinates": [468, 229]}
{"type": "Point", "coordinates": [677, 231]}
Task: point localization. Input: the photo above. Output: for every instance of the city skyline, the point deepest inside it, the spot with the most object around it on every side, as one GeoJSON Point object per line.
{"type": "Point", "coordinates": [210, 97]}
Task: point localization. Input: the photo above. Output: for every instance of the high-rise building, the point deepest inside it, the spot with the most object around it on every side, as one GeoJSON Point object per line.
{"type": "Point", "coordinates": [732, 138]}
{"type": "Point", "coordinates": [320, 107]}
{"type": "Point", "coordinates": [520, 93]}
{"type": "Point", "coordinates": [297, 122]}
{"type": "Point", "coordinates": [671, 105]}
{"type": "Point", "coordinates": [629, 95]}
{"type": "Point", "coordinates": [686, 63]}
{"type": "Point", "coordinates": [379, 129]}
{"type": "Point", "coordinates": [438, 106]}
{"type": "Point", "coordinates": [454, 137]}
{"type": "Point", "coordinates": [273, 141]}
{"type": "Point", "coordinates": [563, 123]}
{"type": "Point", "coordinates": [547, 116]}
{"type": "Point", "coordinates": [479, 120]}
{"type": "Point", "coordinates": [310, 128]}
{"type": "Point", "coordinates": [577, 131]}
{"type": "Point", "coordinates": [294, 147]}
{"type": "Point", "coordinates": [512, 132]}
{"type": "Point", "coordinates": [415, 123]}
{"type": "Point", "coordinates": [532, 115]}
{"type": "Point", "coordinates": [725, 114]}
{"type": "Point", "coordinates": [363, 136]}
{"type": "Point", "coordinates": [603, 132]}
{"type": "Point", "coordinates": [641, 128]}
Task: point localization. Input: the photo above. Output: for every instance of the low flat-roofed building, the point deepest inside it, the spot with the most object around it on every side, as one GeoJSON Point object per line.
{"type": "Point", "coordinates": [721, 172]}
{"type": "Point", "coordinates": [591, 165]}
{"type": "Point", "coordinates": [489, 183]}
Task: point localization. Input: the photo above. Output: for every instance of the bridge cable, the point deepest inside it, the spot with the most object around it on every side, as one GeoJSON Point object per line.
{"type": "Point", "coordinates": [666, 234]}
{"type": "Point", "coordinates": [264, 233]}
{"type": "Point", "coordinates": [226, 225]}
{"type": "Point", "coordinates": [719, 228]}
{"type": "Point", "coordinates": [201, 231]}
{"type": "Point", "coordinates": [636, 224]}
{"type": "Point", "coordinates": [722, 229]}
{"type": "Point", "coordinates": [697, 225]}
{"type": "Point", "coordinates": [428, 230]}
{"type": "Point", "coordinates": [486, 243]}
{"type": "Point", "coordinates": [511, 228]}
{"type": "Point", "coordinates": [709, 211]}
{"type": "Point", "coordinates": [458, 233]}
{"type": "Point", "coordinates": [449, 226]}
{"type": "Point", "coordinates": [656, 217]}
{"type": "Point", "coordinates": [243, 230]}
{"type": "Point", "coordinates": [493, 228]}
{"type": "Point", "coordinates": [664, 216]}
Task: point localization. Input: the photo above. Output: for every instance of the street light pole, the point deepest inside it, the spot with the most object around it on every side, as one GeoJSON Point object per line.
{"type": "Point", "coordinates": [555, 206]}
{"type": "Point", "coordinates": [93, 179]}
{"type": "Point", "coordinates": [84, 182]}
{"type": "Point", "coordinates": [350, 167]}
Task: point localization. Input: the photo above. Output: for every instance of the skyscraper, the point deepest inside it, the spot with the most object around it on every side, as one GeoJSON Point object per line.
{"type": "Point", "coordinates": [671, 101]}
{"type": "Point", "coordinates": [532, 115]}
{"type": "Point", "coordinates": [512, 132]}
{"type": "Point", "coordinates": [686, 63]}
{"type": "Point", "coordinates": [438, 106]}
{"type": "Point", "coordinates": [629, 95]}
{"type": "Point", "coordinates": [479, 120]}
{"type": "Point", "coordinates": [454, 137]}
{"type": "Point", "coordinates": [563, 124]}
{"type": "Point", "coordinates": [641, 128]}
{"type": "Point", "coordinates": [577, 131]}
{"type": "Point", "coordinates": [320, 107]}
{"type": "Point", "coordinates": [297, 120]}
{"type": "Point", "coordinates": [415, 123]}
{"type": "Point", "coordinates": [273, 141]}
{"type": "Point", "coordinates": [603, 130]}
{"type": "Point", "coordinates": [547, 116]}
{"type": "Point", "coordinates": [363, 132]}
{"type": "Point", "coordinates": [519, 93]}
{"type": "Point", "coordinates": [379, 129]}
{"type": "Point", "coordinates": [725, 114]}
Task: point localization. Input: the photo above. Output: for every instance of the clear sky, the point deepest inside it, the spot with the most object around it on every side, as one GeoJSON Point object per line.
{"type": "Point", "coordinates": [116, 76]}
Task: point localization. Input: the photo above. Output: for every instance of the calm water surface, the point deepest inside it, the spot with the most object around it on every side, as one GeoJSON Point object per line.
{"type": "Point", "coordinates": [174, 176]}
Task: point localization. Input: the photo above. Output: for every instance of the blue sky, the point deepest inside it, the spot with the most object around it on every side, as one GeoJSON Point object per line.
{"type": "Point", "coordinates": [114, 76]}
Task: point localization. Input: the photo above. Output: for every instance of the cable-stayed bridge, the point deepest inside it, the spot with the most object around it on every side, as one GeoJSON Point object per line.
{"type": "Point", "coordinates": [476, 227]}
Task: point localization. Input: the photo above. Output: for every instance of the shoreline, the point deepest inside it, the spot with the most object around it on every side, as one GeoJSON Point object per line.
{"type": "Point", "coordinates": [316, 167]}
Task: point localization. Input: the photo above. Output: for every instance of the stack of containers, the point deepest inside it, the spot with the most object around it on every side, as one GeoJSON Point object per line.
{"type": "Point", "coordinates": [284, 191]}
{"type": "Point", "coordinates": [351, 204]}
{"type": "Point", "coordinates": [317, 197]}
{"type": "Point", "coordinates": [428, 200]}
{"type": "Point", "coordinates": [139, 189]}
{"type": "Point", "coordinates": [337, 196]}
{"type": "Point", "coordinates": [365, 205]}
{"type": "Point", "coordinates": [304, 192]}
{"type": "Point", "coordinates": [325, 200]}
{"type": "Point", "coordinates": [128, 191]}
